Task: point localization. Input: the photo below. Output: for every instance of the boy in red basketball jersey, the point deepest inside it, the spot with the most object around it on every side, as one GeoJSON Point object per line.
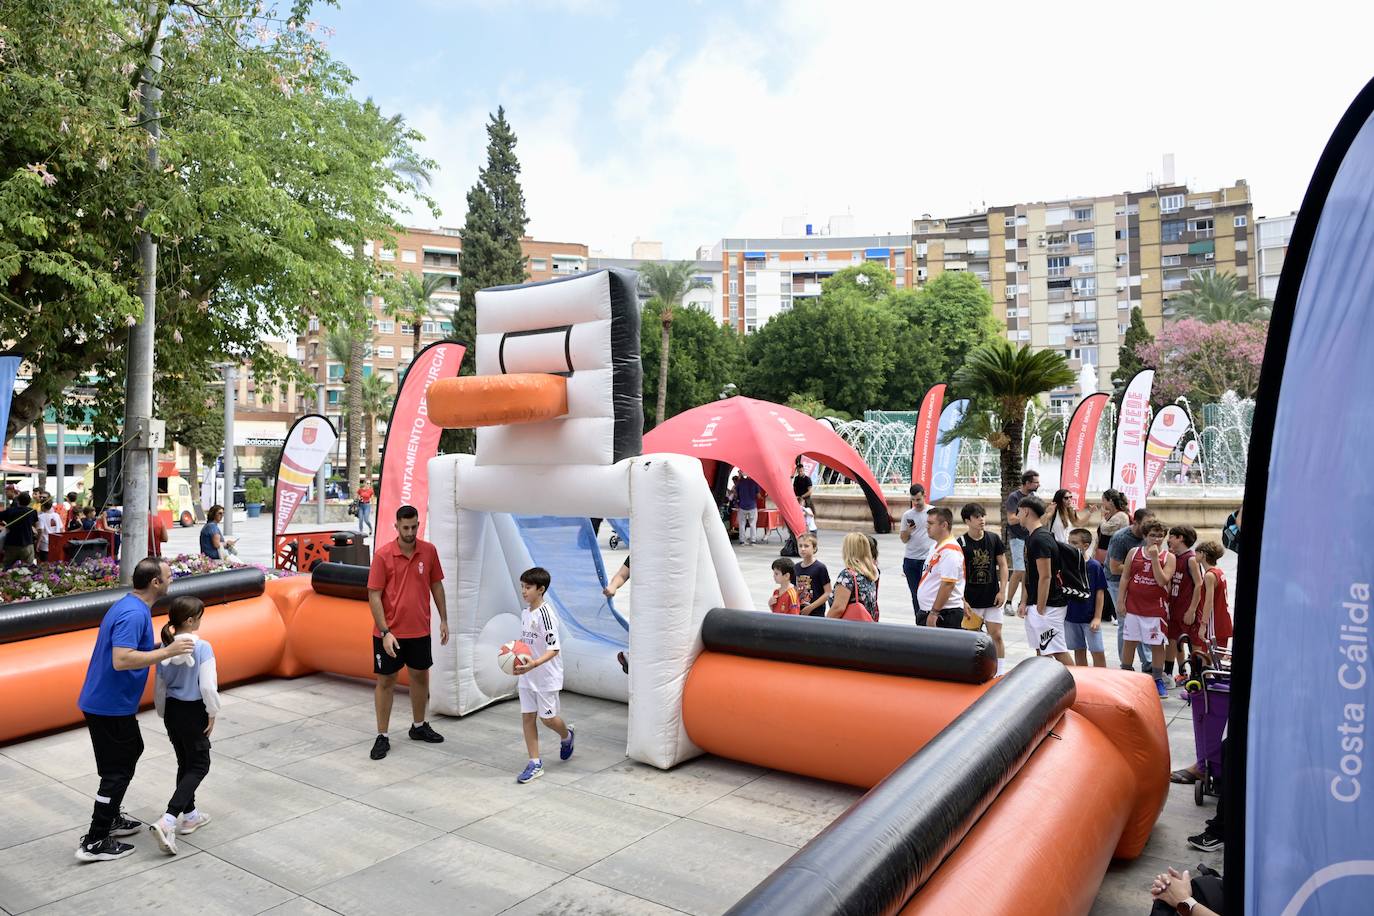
{"type": "Point", "coordinates": [1184, 594]}
{"type": "Point", "coordinates": [1146, 583]}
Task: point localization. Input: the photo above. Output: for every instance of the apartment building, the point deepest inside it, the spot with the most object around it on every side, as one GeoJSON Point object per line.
{"type": "Point", "coordinates": [762, 277]}
{"type": "Point", "coordinates": [1065, 274]}
{"type": "Point", "coordinates": [423, 252]}
{"type": "Point", "coordinates": [1272, 234]}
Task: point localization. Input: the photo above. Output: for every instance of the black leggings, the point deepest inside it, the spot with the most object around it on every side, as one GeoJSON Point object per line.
{"type": "Point", "coordinates": [186, 721]}
{"type": "Point", "coordinates": [118, 744]}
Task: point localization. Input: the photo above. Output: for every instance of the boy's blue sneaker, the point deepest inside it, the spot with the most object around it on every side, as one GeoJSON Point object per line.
{"type": "Point", "coordinates": [565, 748]}
{"type": "Point", "coordinates": [533, 770]}
{"type": "Point", "coordinates": [1163, 690]}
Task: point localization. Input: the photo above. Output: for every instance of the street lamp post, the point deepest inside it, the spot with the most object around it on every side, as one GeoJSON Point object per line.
{"type": "Point", "coordinates": [319, 475]}
{"type": "Point", "coordinates": [230, 383]}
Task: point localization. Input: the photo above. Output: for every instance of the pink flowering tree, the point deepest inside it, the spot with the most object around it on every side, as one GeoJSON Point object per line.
{"type": "Point", "coordinates": [1205, 360]}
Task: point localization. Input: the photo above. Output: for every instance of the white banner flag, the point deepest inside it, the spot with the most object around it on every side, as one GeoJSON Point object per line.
{"type": "Point", "coordinates": [1132, 426]}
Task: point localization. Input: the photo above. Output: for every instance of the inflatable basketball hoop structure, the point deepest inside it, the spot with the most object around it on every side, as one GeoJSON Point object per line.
{"type": "Point", "coordinates": [558, 409]}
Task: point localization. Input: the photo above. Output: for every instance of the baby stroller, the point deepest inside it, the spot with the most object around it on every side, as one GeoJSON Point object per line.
{"type": "Point", "coordinates": [1208, 692]}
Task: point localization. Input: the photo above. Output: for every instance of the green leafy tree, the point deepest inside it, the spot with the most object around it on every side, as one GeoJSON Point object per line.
{"type": "Point", "coordinates": [271, 174]}
{"type": "Point", "coordinates": [1001, 378]}
{"type": "Point", "coordinates": [496, 220]}
{"type": "Point", "coordinates": [812, 407]}
{"type": "Point", "coordinates": [705, 359]}
{"type": "Point", "coordinates": [1136, 338]}
{"type": "Point", "coordinates": [668, 283]}
{"type": "Point", "coordinates": [868, 281]}
{"type": "Point", "coordinates": [942, 323]}
{"type": "Point", "coordinates": [378, 398]}
{"type": "Point", "coordinates": [1213, 297]}
{"type": "Point", "coordinates": [839, 349]}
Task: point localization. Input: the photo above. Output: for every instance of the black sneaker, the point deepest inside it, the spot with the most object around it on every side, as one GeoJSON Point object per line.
{"type": "Point", "coordinates": [380, 747]}
{"type": "Point", "coordinates": [1205, 841]}
{"type": "Point", "coordinates": [423, 732]}
{"type": "Point", "coordinates": [102, 850]}
{"type": "Point", "coordinates": [125, 826]}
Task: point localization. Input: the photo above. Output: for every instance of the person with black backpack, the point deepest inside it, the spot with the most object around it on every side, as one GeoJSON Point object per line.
{"type": "Point", "coordinates": [1044, 605]}
{"type": "Point", "coordinates": [1086, 584]}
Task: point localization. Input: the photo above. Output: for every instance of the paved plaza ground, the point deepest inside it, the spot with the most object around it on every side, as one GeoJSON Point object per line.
{"type": "Point", "coordinates": [305, 823]}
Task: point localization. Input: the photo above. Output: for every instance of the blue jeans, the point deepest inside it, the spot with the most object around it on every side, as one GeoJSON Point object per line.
{"type": "Point", "coordinates": [365, 517]}
{"type": "Point", "coordinates": [913, 569]}
{"type": "Point", "coordinates": [1143, 651]}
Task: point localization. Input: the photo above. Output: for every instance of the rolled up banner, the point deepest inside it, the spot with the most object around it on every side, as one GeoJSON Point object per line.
{"type": "Point", "coordinates": [1188, 456]}
{"type": "Point", "coordinates": [927, 434]}
{"type": "Point", "coordinates": [947, 453]}
{"type": "Point", "coordinates": [411, 439]}
{"type": "Point", "coordinates": [1167, 429]}
{"type": "Point", "coordinates": [1080, 436]}
{"type": "Point", "coordinates": [1299, 766]}
{"type": "Point", "coordinates": [1132, 423]}
{"type": "Point", "coordinates": [307, 445]}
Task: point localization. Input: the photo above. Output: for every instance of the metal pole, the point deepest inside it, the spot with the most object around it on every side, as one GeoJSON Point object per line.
{"type": "Point", "coordinates": [230, 382]}
{"type": "Point", "coordinates": [139, 461]}
{"type": "Point", "coordinates": [61, 462]}
{"type": "Point", "coordinates": [319, 475]}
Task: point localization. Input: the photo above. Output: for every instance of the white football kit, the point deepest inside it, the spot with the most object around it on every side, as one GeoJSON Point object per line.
{"type": "Point", "coordinates": [539, 688]}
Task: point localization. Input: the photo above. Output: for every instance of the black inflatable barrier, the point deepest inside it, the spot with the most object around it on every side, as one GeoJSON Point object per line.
{"type": "Point", "coordinates": [930, 652]}
{"type": "Point", "coordinates": [340, 580]}
{"type": "Point", "coordinates": [879, 852]}
{"type": "Point", "coordinates": [67, 613]}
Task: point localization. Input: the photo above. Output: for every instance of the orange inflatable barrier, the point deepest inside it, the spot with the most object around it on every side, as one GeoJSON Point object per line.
{"type": "Point", "coordinates": [40, 679]}
{"type": "Point", "coordinates": [845, 726]}
{"type": "Point", "coordinates": [856, 727]}
{"type": "Point", "coordinates": [334, 635]}
{"type": "Point", "coordinates": [497, 400]}
{"type": "Point", "coordinates": [1042, 847]}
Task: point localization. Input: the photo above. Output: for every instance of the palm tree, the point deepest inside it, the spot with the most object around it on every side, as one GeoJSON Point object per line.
{"type": "Point", "coordinates": [1214, 297]}
{"type": "Point", "coordinates": [348, 345]}
{"type": "Point", "coordinates": [410, 299]}
{"type": "Point", "coordinates": [1005, 377]}
{"type": "Point", "coordinates": [668, 283]}
{"type": "Point", "coordinates": [377, 401]}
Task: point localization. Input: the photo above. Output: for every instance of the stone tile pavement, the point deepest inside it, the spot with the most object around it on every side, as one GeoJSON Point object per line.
{"type": "Point", "coordinates": [305, 823]}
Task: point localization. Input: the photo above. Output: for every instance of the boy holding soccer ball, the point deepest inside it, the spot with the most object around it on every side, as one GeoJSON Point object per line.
{"type": "Point", "coordinates": [542, 676]}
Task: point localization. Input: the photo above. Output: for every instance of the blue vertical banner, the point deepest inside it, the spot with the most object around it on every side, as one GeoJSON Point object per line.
{"type": "Point", "coordinates": [947, 455]}
{"type": "Point", "coordinates": [1299, 773]}
{"type": "Point", "coordinates": [9, 370]}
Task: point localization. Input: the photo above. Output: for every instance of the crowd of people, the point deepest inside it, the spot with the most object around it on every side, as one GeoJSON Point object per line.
{"type": "Point", "coordinates": [31, 518]}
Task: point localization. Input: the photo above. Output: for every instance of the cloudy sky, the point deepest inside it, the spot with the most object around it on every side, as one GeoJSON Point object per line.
{"type": "Point", "coordinates": [688, 121]}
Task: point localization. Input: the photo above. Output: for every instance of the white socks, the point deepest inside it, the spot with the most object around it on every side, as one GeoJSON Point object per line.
{"type": "Point", "coordinates": [169, 821]}
{"type": "Point", "coordinates": [1001, 666]}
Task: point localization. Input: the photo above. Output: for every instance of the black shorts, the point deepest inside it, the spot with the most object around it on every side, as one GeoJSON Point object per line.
{"type": "Point", "coordinates": [414, 654]}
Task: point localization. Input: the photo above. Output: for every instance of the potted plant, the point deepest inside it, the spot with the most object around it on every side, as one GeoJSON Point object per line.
{"type": "Point", "coordinates": [254, 495]}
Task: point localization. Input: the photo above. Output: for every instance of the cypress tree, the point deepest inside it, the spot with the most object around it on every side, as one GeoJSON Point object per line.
{"type": "Point", "coordinates": [1128, 363]}
{"type": "Point", "coordinates": [496, 221]}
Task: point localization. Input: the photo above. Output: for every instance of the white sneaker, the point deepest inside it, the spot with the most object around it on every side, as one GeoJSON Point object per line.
{"type": "Point", "coordinates": [187, 825]}
{"type": "Point", "coordinates": [166, 836]}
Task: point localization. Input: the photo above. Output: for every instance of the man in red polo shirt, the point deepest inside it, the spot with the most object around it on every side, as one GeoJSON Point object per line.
{"type": "Point", "coordinates": [405, 575]}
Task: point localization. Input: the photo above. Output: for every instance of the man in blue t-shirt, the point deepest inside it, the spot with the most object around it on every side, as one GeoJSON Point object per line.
{"type": "Point", "coordinates": [125, 649]}
{"type": "Point", "coordinates": [747, 491]}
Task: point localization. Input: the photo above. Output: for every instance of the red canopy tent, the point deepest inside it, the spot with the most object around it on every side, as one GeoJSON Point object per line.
{"type": "Point", "coordinates": [764, 440]}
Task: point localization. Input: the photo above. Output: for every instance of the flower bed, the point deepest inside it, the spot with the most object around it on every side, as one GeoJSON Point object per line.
{"type": "Point", "coordinates": [48, 580]}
